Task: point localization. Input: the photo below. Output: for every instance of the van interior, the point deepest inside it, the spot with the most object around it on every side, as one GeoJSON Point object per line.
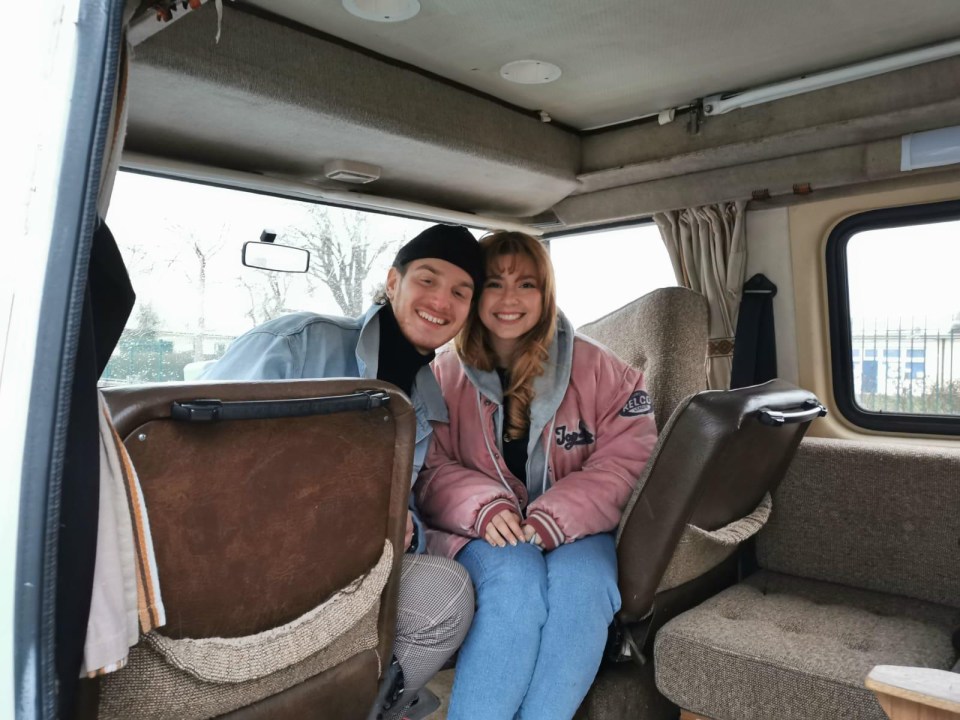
{"type": "Point", "coordinates": [793, 550]}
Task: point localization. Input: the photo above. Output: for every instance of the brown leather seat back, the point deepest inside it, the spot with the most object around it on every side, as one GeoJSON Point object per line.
{"type": "Point", "coordinates": [714, 462]}
{"type": "Point", "coordinates": [257, 521]}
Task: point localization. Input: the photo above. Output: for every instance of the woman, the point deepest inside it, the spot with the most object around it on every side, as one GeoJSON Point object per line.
{"type": "Point", "coordinates": [548, 434]}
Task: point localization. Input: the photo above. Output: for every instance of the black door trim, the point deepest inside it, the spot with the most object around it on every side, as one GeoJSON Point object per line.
{"type": "Point", "coordinates": [839, 312]}
{"type": "Point", "coordinates": [98, 47]}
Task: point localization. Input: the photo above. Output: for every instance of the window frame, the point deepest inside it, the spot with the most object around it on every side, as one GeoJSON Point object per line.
{"type": "Point", "coordinates": [838, 307]}
{"type": "Point", "coordinates": [600, 227]}
{"type": "Point", "coordinates": [178, 178]}
{"type": "Point", "coordinates": [227, 184]}
{"type": "Point", "coordinates": [577, 233]}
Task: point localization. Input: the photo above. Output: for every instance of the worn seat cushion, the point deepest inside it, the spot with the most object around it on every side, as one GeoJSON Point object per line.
{"type": "Point", "coordinates": [795, 648]}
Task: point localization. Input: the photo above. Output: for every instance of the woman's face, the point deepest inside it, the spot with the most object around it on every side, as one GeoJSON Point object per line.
{"type": "Point", "coordinates": [511, 301]}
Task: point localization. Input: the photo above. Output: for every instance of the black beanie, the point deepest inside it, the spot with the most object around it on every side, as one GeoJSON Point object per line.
{"type": "Point", "coordinates": [452, 243]}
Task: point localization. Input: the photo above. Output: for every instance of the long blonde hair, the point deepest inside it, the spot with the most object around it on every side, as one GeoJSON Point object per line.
{"type": "Point", "coordinates": [531, 352]}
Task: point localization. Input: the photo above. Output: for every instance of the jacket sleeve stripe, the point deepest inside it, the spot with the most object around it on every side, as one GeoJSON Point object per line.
{"type": "Point", "coordinates": [490, 511]}
{"type": "Point", "coordinates": [550, 534]}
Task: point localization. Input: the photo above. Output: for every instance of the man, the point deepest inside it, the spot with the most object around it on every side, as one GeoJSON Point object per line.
{"type": "Point", "coordinates": [429, 292]}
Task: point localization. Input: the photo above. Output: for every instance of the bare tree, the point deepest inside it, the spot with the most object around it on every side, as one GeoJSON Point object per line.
{"type": "Point", "coordinates": [203, 249]}
{"type": "Point", "coordinates": [340, 260]}
{"type": "Point", "coordinates": [148, 322]}
{"type": "Point", "coordinates": [268, 295]}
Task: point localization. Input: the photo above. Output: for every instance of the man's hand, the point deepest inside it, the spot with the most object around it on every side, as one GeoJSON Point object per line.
{"type": "Point", "coordinates": [408, 535]}
{"type": "Point", "coordinates": [531, 536]}
{"type": "Point", "coordinates": [504, 528]}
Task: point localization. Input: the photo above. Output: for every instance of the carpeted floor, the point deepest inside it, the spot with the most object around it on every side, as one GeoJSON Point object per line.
{"type": "Point", "coordinates": [441, 685]}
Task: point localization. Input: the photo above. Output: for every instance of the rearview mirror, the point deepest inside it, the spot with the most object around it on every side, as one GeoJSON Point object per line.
{"type": "Point", "coordinates": [281, 258]}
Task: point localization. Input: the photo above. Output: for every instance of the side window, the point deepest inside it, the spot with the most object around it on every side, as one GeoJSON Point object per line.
{"type": "Point", "coordinates": [599, 271]}
{"type": "Point", "coordinates": [182, 243]}
{"type": "Point", "coordinates": [895, 318]}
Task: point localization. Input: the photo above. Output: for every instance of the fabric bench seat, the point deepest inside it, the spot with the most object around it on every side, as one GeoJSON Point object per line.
{"type": "Point", "coordinates": [782, 646]}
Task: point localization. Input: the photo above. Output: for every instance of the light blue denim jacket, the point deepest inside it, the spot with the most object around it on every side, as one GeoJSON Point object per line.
{"type": "Point", "coordinates": [307, 345]}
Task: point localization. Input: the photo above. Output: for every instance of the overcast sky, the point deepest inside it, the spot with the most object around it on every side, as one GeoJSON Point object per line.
{"type": "Point", "coordinates": [911, 274]}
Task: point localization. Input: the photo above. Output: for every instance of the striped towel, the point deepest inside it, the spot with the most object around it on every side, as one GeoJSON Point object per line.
{"type": "Point", "coordinates": [126, 594]}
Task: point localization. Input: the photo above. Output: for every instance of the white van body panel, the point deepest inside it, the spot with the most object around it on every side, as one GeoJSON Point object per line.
{"type": "Point", "coordinates": [40, 42]}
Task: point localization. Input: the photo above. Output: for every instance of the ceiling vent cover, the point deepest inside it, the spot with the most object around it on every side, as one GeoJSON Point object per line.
{"type": "Point", "coordinates": [349, 171]}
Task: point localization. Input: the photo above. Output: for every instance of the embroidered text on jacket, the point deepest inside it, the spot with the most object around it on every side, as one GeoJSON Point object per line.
{"type": "Point", "coordinates": [569, 439]}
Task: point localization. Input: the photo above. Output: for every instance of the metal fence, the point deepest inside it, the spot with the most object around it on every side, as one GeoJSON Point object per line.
{"type": "Point", "coordinates": [902, 367]}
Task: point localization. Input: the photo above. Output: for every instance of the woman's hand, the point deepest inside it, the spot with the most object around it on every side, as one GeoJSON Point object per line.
{"type": "Point", "coordinates": [504, 528]}
{"type": "Point", "coordinates": [530, 535]}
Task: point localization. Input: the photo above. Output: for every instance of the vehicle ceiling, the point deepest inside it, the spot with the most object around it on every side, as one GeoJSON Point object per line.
{"type": "Point", "coordinates": [623, 59]}
{"type": "Point", "coordinates": [293, 84]}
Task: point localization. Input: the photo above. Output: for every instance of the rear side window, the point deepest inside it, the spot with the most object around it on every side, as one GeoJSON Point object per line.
{"type": "Point", "coordinates": [895, 318]}
{"type": "Point", "coordinates": [599, 271]}
{"type": "Point", "coordinates": [182, 245]}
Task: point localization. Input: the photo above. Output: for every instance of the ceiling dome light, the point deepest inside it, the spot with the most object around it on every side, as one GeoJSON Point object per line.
{"type": "Point", "coordinates": [351, 171]}
{"type": "Point", "coordinates": [383, 10]}
{"type": "Point", "coordinates": [529, 72]}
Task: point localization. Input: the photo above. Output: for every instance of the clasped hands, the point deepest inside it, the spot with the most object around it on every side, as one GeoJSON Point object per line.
{"type": "Point", "coordinates": [507, 527]}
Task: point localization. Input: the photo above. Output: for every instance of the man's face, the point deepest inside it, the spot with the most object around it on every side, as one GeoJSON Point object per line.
{"type": "Point", "coordinates": [430, 301]}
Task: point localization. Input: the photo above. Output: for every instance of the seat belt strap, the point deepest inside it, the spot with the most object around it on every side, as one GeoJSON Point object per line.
{"type": "Point", "coordinates": [755, 343]}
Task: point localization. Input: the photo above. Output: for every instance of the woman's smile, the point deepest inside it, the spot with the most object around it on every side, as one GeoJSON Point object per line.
{"type": "Point", "coordinates": [511, 301]}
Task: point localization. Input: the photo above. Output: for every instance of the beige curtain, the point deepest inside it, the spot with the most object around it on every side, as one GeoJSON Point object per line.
{"type": "Point", "coordinates": [708, 249]}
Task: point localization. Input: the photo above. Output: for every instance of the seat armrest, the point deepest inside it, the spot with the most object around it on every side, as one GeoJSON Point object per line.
{"type": "Point", "coordinates": [913, 692]}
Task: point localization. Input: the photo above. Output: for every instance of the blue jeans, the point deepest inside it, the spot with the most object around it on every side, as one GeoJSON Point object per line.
{"type": "Point", "coordinates": [538, 631]}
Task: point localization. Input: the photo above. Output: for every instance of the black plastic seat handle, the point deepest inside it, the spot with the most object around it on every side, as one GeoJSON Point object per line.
{"type": "Point", "coordinates": [211, 410]}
